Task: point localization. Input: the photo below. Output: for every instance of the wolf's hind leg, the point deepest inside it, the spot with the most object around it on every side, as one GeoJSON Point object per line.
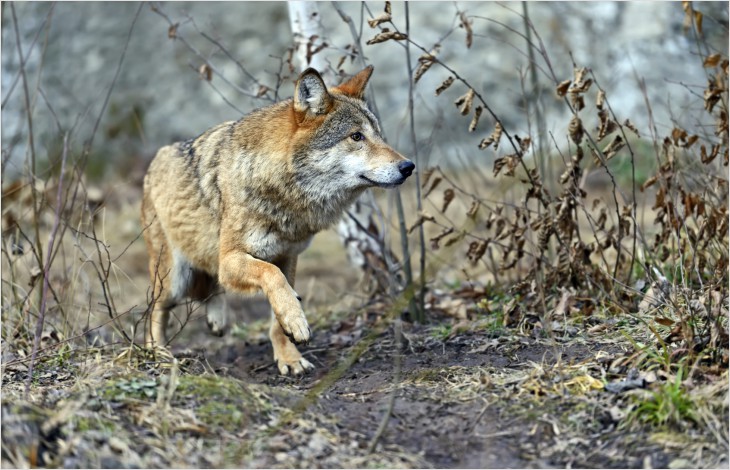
{"type": "Point", "coordinates": [171, 275]}
{"type": "Point", "coordinates": [216, 311]}
{"type": "Point", "coordinates": [160, 265]}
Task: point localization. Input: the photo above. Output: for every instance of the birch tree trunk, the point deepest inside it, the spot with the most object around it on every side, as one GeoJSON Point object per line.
{"type": "Point", "coordinates": [357, 229]}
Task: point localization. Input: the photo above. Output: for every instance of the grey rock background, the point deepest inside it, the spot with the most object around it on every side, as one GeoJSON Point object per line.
{"type": "Point", "coordinates": [159, 96]}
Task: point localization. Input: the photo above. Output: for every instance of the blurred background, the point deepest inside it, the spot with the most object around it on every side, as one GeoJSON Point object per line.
{"type": "Point", "coordinates": [162, 92]}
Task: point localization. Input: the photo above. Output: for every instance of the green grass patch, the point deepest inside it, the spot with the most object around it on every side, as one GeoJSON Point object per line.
{"type": "Point", "coordinates": [668, 406]}
{"type": "Point", "coordinates": [222, 402]}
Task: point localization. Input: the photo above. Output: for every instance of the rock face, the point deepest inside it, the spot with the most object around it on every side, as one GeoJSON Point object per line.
{"type": "Point", "coordinates": [73, 51]}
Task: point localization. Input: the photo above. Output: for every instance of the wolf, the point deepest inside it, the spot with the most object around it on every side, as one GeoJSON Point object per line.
{"type": "Point", "coordinates": [231, 209]}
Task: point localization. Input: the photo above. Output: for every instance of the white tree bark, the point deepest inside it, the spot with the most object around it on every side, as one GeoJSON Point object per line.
{"type": "Point", "coordinates": [357, 229]}
{"type": "Point", "coordinates": [305, 23]}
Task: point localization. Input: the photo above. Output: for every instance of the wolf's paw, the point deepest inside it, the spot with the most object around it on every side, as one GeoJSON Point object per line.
{"type": "Point", "coordinates": [295, 326]}
{"type": "Point", "coordinates": [216, 327]}
{"type": "Point", "coordinates": [296, 367]}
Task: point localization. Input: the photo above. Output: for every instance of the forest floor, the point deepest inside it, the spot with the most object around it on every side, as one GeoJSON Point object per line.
{"type": "Point", "coordinates": [469, 391]}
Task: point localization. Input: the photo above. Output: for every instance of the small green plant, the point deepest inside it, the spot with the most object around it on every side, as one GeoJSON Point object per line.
{"type": "Point", "coordinates": [136, 388]}
{"type": "Point", "coordinates": [669, 405]}
{"type": "Point", "coordinates": [494, 316]}
{"type": "Point", "coordinates": [64, 354]}
{"type": "Point", "coordinates": [441, 332]}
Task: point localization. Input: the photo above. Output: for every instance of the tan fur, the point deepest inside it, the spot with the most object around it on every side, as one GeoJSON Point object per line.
{"type": "Point", "coordinates": [234, 207]}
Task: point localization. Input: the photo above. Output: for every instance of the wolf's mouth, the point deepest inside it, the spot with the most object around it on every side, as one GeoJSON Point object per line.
{"type": "Point", "coordinates": [379, 184]}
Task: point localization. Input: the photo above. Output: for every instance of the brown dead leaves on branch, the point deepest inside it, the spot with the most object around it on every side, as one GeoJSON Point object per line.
{"type": "Point", "coordinates": [384, 17]}
{"type": "Point", "coordinates": [385, 34]}
{"type": "Point", "coordinates": [557, 237]}
{"type": "Point", "coordinates": [695, 214]}
{"type": "Point", "coordinates": [516, 238]}
{"type": "Point", "coordinates": [466, 25]}
{"type": "Point", "coordinates": [425, 62]}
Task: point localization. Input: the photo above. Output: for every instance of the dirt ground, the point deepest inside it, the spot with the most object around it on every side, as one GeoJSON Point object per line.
{"type": "Point", "coordinates": [470, 393]}
{"type": "Point", "coordinates": [472, 400]}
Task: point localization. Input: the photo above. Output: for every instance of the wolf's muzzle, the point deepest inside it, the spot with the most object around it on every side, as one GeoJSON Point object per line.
{"type": "Point", "coordinates": [406, 168]}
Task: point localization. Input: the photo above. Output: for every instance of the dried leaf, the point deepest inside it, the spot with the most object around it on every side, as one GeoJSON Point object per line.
{"type": "Point", "coordinates": [579, 74]}
{"type": "Point", "coordinates": [475, 119]}
{"type": "Point", "coordinates": [500, 224]}
{"type": "Point", "coordinates": [602, 218]}
{"type": "Point", "coordinates": [476, 250]}
{"type": "Point", "coordinates": [262, 91]}
{"type": "Point", "coordinates": [510, 161]}
{"type": "Point", "coordinates": [562, 88]}
{"type": "Point", "coordinates": [498, 165]}
{"type": "Point", "coordinates": [631, 126]}
{"type": "Point", "coordinates": [427, 173]}
{"type": "Point", "coordinates": [382, 18]}
{"type": "Point", "coordinates": [312, 51]}
{"type": "Point", "coordinates": [387, 36]}
{"type": "Point", "coordinates": [425, 62]}
{"type": "Point", "coordinates": [678, 134]}
{"type": "Point", "coordinates": [387, 8]}
{"type": "Point", "coordinates": [698, 22]}
{"type": "Point", "coordinates": [472, 212]}
{"type": "Point", "coordinates": [664, 320]}
{"type": "Point", "coordinates": [205, 72]}
{"type": "Point", "coordinates": [172, 31]}
{"type": "Point", "coordinates": [613, 147]}
{"type": "Point", "coordinates": [580, 86]}
{"type": "Point", "coordinates": [435, 240]}
{"type": "Point", "coordinates": [713, 153]}
{"type": "Point", "coordinates": [465, 101]}
{"type": "Point", "coordinates": [575, 129]}
{"type": "Point", "coordinates": [435, 183]}
{"type": "Point", "coordinates": [456, 238]}
{"type": "Point", "coordinates": [712, 96]}
{"type": "Point", "coordinates": [524, 143]}
{"type": "Point", "coordinates": [446, 84]}
{"type": "Point", "coordinates": [492, 139]}
{"type": "Point", "coordinates": [606, 126]}
{"type": "Point", "coordinates": [712, 60]}
{"type": "Point", "coordinates": [576, 101]}
{"type": "Point", "coordinates": [486, 142]}
{"type": "Point", "coordinates": [600, 99]}
{"type": "Point", "coordinates": [448, 197]}
{"type": "Point", "coordinates": [423, 216]}
{"type": "Point", "coordinates": [422, 68]}
{"type": "Point", "coordinates": [466, 24]}
{"type": "Point", "coordinates": [565, 304]}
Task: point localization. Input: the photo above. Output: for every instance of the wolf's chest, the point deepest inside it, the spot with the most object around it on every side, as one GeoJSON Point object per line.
{"type": "Point", "coordinates": [269, 246]}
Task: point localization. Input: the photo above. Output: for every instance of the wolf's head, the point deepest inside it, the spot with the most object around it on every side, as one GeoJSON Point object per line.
{"type": "Point", "coordinates": [339, 136]}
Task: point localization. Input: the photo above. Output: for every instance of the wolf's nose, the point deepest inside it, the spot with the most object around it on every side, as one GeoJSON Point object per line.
{"type": "Point", "coordinates": [406, 168]}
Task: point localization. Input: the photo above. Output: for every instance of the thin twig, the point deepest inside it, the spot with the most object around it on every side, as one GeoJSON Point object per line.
{"type": "Point", "coordinates": [31, 140]}
{"type": "Point", "coordinates": [420, 311]}
{"type": "Point", "coordinates": [27, 55]}
{"type": "Point", "coordinates": [47, 269]}
{"type": "Point", "coordinates": [90, 141]}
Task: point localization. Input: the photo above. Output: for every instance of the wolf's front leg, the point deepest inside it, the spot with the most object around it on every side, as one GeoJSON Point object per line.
{"type": "Point", "coordinates": [287, 356]}
{"type": "Point", "coordinates": [241, 272]}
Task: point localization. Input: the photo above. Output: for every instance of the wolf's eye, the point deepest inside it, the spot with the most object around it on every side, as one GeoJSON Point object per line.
{"type": "Point", "coordinates": [357, 136]}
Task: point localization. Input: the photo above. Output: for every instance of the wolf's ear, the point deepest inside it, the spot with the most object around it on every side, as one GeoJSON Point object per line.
{"type": "Point", "coordinates": [355, 87]}
{"type": "Point", "coordinates": [311, 94]}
